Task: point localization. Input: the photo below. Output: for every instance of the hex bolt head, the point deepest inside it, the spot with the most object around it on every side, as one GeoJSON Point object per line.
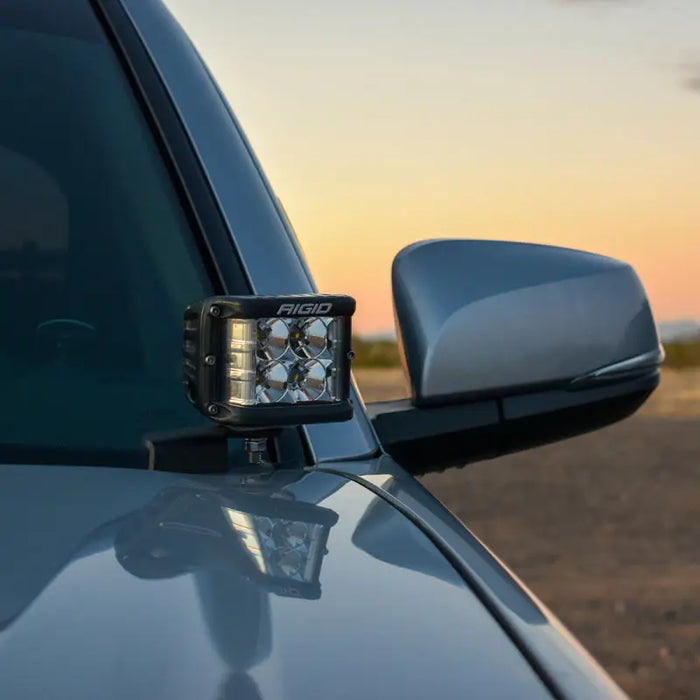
{"type": "Point", "coordinates": [212, 409]}
{"type": "Point", "coordinates": [215, 311]}
{"type": "Point", "coordinates": [255, 447]}
{"type": "Point", "coordinates": [351, 354]}
{"type": "Point", "coordinates": [210, 360]}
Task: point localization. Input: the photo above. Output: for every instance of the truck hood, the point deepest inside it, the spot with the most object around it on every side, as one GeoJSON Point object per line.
{"type": "Point", "coordinates": [124, 583]}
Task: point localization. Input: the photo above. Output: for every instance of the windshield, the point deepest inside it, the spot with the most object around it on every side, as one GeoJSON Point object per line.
{"type": "Point", "coordinates": [97, 259]}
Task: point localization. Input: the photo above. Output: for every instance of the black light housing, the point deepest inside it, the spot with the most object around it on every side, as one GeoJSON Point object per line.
{"type": "Point", "coordinates": [269, 361]}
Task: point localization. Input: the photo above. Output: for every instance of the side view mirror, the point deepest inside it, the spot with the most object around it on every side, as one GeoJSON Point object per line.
{"type": "Point", "coordinates": [512, 345]}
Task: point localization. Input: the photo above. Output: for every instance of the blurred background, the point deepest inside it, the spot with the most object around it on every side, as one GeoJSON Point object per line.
{"type": "Point", "coordinates": [568, 122]}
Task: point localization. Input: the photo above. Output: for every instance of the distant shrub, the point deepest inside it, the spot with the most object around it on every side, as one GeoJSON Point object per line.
{"type": "Point", "coordinates": [385, 353]}
{"type": "Point", "coordinates": [683, 355]}
{"type": "Point", "coordinates": [375, 353]}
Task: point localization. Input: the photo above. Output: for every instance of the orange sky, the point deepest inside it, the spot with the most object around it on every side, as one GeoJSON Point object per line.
{"type": "Point", "coordinates": [381, 123]}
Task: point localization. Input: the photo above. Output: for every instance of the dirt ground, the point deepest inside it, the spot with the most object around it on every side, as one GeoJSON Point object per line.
{"type": "Point", "coordinates": [604, 528]}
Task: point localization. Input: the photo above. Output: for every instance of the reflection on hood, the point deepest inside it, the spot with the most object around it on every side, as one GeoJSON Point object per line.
{"type": "Point", "coordinates": [239, 547]}
{"type": "Point", "coordinates": [239, 686]}
{"type": "Point", "coordinates": [275, 541]}
{"type": "Point", "coordinates": [239, 540]}
{"type": "Point", "coordinates": [381, 533]}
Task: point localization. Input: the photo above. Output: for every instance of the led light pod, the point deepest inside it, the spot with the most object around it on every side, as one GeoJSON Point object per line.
{"type": "Point", "coordinates": [269, 361]}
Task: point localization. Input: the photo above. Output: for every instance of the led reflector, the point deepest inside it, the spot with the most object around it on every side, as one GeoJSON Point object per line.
{"type": "Point", "coordinates": [272, 338]}
{"type": "Point", "coordinates": [270, 383]}
{"type": "Point", "coordinates": [281, 362]}
{"type": "Point", "coordinates": [309, 337]}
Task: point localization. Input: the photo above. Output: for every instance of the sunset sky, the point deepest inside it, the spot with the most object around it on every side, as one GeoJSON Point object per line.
{"type": "Point", "coordinates": [569, 122]}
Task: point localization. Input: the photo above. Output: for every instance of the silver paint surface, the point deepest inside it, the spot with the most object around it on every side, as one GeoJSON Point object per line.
{"type": "Point", "coordinates": [485, 316]}
{"type": "Point", "coordinates": [393, 619]}
{"type": "Point", "coordinates": [576, 674]}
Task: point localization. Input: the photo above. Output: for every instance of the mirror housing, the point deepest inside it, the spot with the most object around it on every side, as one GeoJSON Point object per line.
{"type": "Point", "coordinates": [512, 345]}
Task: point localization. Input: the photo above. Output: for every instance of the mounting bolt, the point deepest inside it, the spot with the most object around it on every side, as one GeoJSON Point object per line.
{"type": "Point", "coordinates": [212, 409]}
{"type": "Point", "coordinates": [210, 360]}
{"type": "Point", "coordinates": [351, 354]}
{"type": "Point", "coordinates": [255, 447]}
{"type": "Point", "coordinates": [215, 311]}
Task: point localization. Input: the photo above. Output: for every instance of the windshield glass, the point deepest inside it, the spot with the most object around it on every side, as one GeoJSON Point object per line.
{"type": "Point", "coordinates": [97, 259]}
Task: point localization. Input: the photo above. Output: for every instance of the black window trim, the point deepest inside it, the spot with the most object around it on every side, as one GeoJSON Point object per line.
{"type": "Point", "coordinates": [214, 239]}
{"type": "Point", "coordinates": [207, 222]}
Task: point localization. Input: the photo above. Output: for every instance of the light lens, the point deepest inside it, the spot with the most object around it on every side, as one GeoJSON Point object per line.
{"type": "Point", "coordinates": [272, 360]}
{"type": "Point", "coordinates": [240, 363]}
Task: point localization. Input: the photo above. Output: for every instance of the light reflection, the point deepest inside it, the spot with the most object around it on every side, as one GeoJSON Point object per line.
{"type": "Point", "coordinates": [277, 542]}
